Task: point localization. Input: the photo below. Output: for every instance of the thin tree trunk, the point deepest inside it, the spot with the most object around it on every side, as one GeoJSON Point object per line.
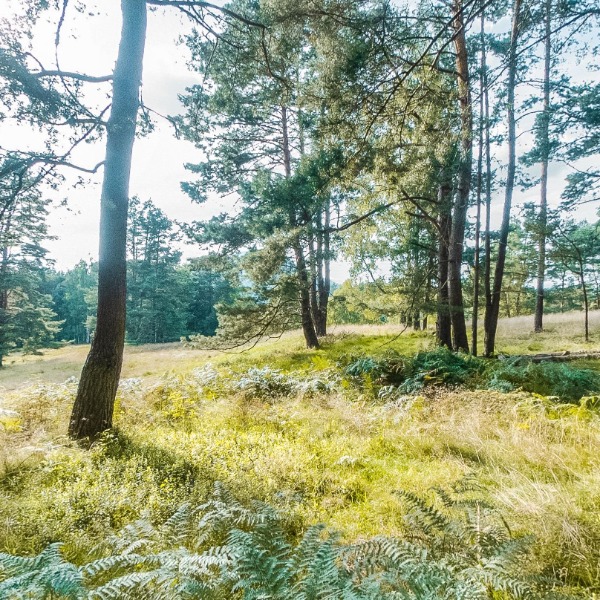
{"type": "Point", "coordinates": [586, 308]}
{"type": "Point", "coordinates": [4, 316]}
{"type": "Point", "coordinates": [313, 260]}
{"type": "Point", "coordinates": [308, 326]}
{"type": "Point", "coordinates": [477, 266]}
{"type": "Point", "coordinates": [487, 275]}
{"type": "Point", "coordinates": [545, 143]}
{"type": "Point", "coordinates": [93, 409]}
{"type": "Point", "coordinates": [443, 325]}
{"type": "Point", "coordinates": [491, 316]}
{"type": "Point", "coordinates": [459, 216]}
{"type": "Point", "coordinates": [324, 268]}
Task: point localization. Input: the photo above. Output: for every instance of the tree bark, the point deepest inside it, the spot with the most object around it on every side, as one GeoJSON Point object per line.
{"type": "Point", "coordinates": [538, 325]}
{"type": "Point", "coordinates": [93, 409]}
{"type": "Point", "coordinates": [324, 273]}
{"type": "Point", "coordinates": [4, 316]}
{"type": "Point", "coordinates": [477, 265]}
{"type": "Point", "coordinates": [491, 315]}
{"type": "Point", "coordinates": [308, 325]}
{"type": "Point", "coordinates": [487, 274]}
{"type": "Point", "coordinates": [443, 324]}
{"type": "Point", "coordinates": [459, 216]}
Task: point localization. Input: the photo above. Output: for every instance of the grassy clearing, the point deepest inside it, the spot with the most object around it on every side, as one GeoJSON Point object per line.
{"type": "Point", "coordinates": [288, 426]}
{"type": "Point", "coordinates": [563, 331]}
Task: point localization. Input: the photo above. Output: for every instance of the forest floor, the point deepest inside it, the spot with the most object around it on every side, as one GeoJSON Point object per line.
{"type": "Point", "coordinates": [291, 427]}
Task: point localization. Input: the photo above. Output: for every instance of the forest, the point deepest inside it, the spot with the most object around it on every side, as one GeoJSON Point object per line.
{"type": "Point", "coordinates": [339, 334]}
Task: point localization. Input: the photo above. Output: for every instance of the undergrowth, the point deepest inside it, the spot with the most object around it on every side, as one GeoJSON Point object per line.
{"type": "Point", "coordinates": [323, 436]}
{"type": "Point", "coordinates": [440, 367]}
{"type": "Point", "coordinates": [459, 549]}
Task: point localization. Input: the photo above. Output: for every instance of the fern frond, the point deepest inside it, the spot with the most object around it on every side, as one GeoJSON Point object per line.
{"type": "Point", "coordinates": [427, 517]}
{"type": "Point", "coordinates": [13, 565]}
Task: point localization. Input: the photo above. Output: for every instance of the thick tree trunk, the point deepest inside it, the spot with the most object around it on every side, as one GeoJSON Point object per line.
{"type": "Point", "coordinates": [459, 216]}
{"type": "Point", "coordinates": [538, 324]}
{"type": "Point", "coordinates": [491, 315]}
{"type": "Point", "coordinates": [93, 408]}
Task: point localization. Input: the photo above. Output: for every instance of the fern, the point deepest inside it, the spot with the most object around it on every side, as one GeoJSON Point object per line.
{"type": "Point", "coordinates": [458, 549]}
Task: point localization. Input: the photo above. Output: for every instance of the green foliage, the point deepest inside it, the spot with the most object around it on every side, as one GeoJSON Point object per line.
{"type": "Point", "coordinates": [223, 549]}
{"type": "Point", "coordinates": [268, 383]}
{"type": "Point", "coordinates": [412, 373]}
{"type": "Point", "coordinates": [441, 367]}
{"type": "Point", "coordinates": [561, 380]}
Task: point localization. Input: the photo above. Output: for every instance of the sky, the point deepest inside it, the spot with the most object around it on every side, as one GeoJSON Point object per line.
{"type": "Point", "coordinates": [89, 45]}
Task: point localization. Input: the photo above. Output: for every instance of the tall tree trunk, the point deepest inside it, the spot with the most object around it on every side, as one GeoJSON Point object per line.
{"type": "Point", "coordinates": [461, 206]}
{"type": "Point", "coordinates": [477, 265]}
{"type": "Point", "coordinates": [487, 275]}
{"type": "Point", "coordinates": [4, 316]}
{"type": "Point", "coordinates": [93, 409]}
{"type": "Point", "coordinates": [324, 272]}
{"type": "Point", "coordinates": [491, 315]}
{"type": "Point", "coordinates": [313, 261]}
{"type": "Point", "coordinates": [443, 324]}
{"type": "Point", "coordinates": [586, 305]}
{"type": "Point", "coordinates": [545, 146]}
{"type": "Point", "coordinates": [308, 326]}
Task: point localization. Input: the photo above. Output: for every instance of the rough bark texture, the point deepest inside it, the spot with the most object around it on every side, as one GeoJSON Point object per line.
{"type": "Point", "coordinates": [93, 408]}
{"type": "Point", "coordinates": [308, 327]}
{"type": "Point", "coordinates": [461, 206]}
{"type": "Point", "coordinates": [491, 315]}
{"type": "Point", "coordinates": [538, 324]}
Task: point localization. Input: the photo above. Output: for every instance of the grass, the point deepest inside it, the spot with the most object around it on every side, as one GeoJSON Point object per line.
{"type": "Point", "coordinates": [321, 456]}
{"type": "Point", "coordinates": [562, 331]}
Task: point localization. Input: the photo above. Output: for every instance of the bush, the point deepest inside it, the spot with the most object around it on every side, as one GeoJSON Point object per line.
{"type": "Point", "coordinates": [561, 380]}
{"type": "Point", "coordinates": [267, 383]}
{"type": "Point", "coordinates": [441, 367]}
{"type": "Point", "coordinates": [410, 374]}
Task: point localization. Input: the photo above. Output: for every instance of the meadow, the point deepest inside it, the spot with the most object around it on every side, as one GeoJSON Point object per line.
{"type": "Point", "coordinates": [331, 436]}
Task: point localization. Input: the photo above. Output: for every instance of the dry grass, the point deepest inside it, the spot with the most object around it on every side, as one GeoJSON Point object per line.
{"type": "Point", "coordinates": [563, 331]}
{"type": "Point", "coordinates": [57, 365]}
{"type": "Point", "coordinates": [334, 458]}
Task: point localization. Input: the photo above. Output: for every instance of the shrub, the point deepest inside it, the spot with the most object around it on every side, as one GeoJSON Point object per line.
{"type": "Point", "coordinates": [397, 375]}
{"type": "Point", "coordinates": [267, 383]}
{"type": "Point", "coordinates": [564, 381]}
{"type": "Point", "coordinates": [410, 374]}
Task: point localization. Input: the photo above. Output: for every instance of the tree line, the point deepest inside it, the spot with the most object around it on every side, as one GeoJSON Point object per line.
{"type": "Point", "coordinates": [383, 132]}
{"type": "Point", "coordinates": [166, 298]}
